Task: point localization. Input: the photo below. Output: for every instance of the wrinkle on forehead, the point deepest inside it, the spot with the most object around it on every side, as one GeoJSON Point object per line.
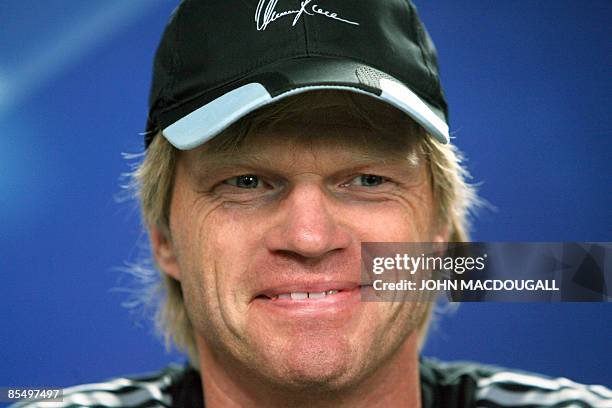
{"type": "Point", "coordinates": [289, 143]}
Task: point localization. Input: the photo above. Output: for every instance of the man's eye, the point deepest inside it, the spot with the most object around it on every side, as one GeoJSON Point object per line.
{"type": "Point", "coordinates": [367, 180]}
{"type": "Point", "coordinates": [245, 181]}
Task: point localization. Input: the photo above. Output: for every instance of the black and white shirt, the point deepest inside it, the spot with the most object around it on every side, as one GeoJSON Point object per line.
{"type": "Point", "coordinates": [443, 385]}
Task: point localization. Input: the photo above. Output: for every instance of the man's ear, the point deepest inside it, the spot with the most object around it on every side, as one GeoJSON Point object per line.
{"type": "Point", "coordinates": [164, 253]}
{"type": "Point", "coordinates": [440, 239]}
{"type": "Point", "coordinates": [442, 233]}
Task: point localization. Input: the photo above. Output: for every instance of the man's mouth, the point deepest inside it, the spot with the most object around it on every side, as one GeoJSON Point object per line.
{"type": "Point", "coordinates": [303, 295]}
{"type": "Point", "coordinates": [322, 300]}
{"type": "Point", "coordinates": [304, 291]}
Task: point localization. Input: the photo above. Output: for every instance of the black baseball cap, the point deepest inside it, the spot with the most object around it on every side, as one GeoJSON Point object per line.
{"type": "Point", "coordinates": [220, 60]}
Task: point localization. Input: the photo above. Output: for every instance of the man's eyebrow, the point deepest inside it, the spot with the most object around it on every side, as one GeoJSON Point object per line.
{"type": "Point", "coordinates": [255, 162]}
{"type": "Point", "coordinates": [371, 155]}
{"type": "Point", "coordinates": [213, 160]}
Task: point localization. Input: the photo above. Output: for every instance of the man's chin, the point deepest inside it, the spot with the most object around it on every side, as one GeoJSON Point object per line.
{"type": "Point", "coordinates": [314, 364]}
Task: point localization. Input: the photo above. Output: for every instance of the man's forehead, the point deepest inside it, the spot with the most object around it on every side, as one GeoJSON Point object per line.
{"type": "Point", "coordinates": [362, 144]}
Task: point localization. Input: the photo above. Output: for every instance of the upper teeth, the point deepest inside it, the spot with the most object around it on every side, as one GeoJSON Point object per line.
{"type": "Point", "coordinates": [305, 295]}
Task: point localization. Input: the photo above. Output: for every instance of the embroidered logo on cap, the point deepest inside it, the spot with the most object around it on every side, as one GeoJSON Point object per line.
{"type": "Point", "coordinates": [266, 13]}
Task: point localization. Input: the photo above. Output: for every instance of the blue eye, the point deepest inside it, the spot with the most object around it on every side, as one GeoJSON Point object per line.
{"type": "Point", "coordinates": [370, 180]}
{"type": "Point", "coordinates": [366, 180]}
{"type": "Point", "coordinates": [245, 181]}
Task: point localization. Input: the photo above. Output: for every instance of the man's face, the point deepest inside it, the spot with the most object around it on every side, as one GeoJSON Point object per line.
{"type": "Point", "coordinates": [267, 247]}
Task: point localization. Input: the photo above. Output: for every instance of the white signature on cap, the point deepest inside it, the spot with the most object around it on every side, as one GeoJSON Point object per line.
{"type": "Point", "coordinates": [266, 13]}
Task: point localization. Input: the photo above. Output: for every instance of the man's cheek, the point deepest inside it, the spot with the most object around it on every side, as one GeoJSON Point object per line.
{"type": "Point", "coordinates": [226, 255]}
{"type": "Point", "coordinates": [389, 228]}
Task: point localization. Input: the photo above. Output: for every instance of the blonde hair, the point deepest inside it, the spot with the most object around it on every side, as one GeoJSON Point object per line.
{"type": "Point", "coordinates": [152, 183]}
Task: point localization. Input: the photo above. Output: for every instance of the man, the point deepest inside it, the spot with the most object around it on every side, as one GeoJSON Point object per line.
{"type": "Point", "coordinates": [280, 137]}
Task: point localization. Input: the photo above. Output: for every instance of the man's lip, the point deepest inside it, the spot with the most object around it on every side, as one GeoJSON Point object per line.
{"type": "Point", "coordinates": [310, 287]}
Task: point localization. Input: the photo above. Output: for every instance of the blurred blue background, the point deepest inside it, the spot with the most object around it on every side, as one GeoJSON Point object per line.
{"type": "Point", "coordinates": [529, 89]}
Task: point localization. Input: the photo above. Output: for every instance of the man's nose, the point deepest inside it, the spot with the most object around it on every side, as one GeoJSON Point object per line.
{"type": "Point", "coordinates": [309, 224]}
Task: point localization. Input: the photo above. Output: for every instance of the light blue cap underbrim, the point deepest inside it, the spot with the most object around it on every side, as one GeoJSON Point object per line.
{"type": "Point", "coordinates": [211, 119]}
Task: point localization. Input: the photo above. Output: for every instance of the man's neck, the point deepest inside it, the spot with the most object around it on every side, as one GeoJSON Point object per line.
{"type": "Point", "coordinates": [394, 384]}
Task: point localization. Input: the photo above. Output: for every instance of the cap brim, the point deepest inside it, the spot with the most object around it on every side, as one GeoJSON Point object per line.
{"type": "Point", "coordinates": [286, 78]}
